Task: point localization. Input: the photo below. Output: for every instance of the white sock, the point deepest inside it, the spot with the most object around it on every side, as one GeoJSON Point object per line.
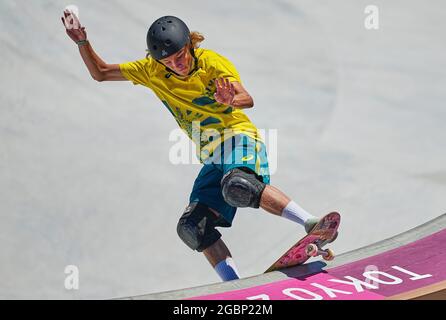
{"type": "Point", "coordinates": [227, 270]}
{"type": "Point", "coordinates": [296, 213]}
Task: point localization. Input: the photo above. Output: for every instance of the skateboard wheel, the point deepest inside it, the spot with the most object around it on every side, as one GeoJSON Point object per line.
{"type": "Point", "coordinates": [330, 255]}
{"type": "Point", "coordinates": [311, 250]}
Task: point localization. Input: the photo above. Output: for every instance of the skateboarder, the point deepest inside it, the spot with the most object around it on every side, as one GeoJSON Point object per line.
{"type": "Point", "coordinates": [199, 86]}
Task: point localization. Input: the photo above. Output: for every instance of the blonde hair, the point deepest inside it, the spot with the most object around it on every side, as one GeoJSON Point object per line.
{"type": "Point", "coordinates": [195, 38]}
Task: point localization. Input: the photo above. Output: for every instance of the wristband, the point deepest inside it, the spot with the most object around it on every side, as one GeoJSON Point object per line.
{"type": "Point", "coordinates": [82, 42]}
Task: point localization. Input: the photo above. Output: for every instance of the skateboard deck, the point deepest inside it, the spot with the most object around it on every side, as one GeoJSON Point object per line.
{"type": "Point", "coordinates": [311, 245]}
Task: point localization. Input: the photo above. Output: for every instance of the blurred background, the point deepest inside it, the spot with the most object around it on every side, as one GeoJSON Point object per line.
{"type": "Point", "coordinates": [85, 176]}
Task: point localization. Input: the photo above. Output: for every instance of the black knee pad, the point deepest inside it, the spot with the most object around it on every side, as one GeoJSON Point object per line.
{"type": "Point", "coordinates": [242, 188]}
{"type": "Point", "coordinates": [197, 227]}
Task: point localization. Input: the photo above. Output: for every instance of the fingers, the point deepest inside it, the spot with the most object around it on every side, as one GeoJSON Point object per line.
{"type": "Point", "coordinates": [67, 17]}
{"type": "Point", "coordinates": [70, 20]}
{"type": "Point", "coordinates": [218, 85]}
{"type": "Point", "coordinates": [232, 89]}
{"type": "Point", "coordinates": [76, 20]}
{"type": "Point", "coordinates": [225, 90]}
{"type": "Point", "coordinates": [227, 85]}
{"type": "Point", "coordinates": [223, 84]}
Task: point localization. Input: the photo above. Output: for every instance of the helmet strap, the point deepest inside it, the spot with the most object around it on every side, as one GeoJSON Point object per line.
{"type": "Point", "coordinates": [192, 52]}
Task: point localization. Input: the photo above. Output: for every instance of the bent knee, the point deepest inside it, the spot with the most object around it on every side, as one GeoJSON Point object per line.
{"type": "Point", "coordinates": [241, 188]}
{"type": "Point", "coordinates": [196, 227]}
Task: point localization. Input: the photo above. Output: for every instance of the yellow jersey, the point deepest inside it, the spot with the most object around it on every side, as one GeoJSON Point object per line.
{"type": "Point", "coordinates": [191, 99]}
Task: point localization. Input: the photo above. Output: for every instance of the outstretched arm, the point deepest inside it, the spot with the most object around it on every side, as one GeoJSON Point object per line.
{"type": "Point", "coordinates": [99, 70]}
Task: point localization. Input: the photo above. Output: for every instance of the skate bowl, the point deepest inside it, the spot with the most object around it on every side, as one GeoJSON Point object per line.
{"type": "Point", "coordinates": [411, 265]}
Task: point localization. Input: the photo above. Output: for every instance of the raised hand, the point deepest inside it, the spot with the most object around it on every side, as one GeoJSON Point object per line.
{"type": "Point", "coordinates": [73, 27]}
{"type": "Point", "coordinates": [225, 91]}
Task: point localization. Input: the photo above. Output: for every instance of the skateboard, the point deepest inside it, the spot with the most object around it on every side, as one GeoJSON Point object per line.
{"type": "Point", "coordinates": [311, 245]}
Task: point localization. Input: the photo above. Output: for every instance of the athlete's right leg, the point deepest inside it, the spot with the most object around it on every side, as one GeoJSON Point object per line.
{"type": "Point", "coordinates": [196, 228]}
{"type": "Point", "coordinates": [217, 252]}
{"type": "Point", "coordinates": [221, 260]}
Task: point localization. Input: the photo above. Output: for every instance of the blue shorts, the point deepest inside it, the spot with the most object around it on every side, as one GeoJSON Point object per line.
{"type": "Point", "coordinates": [238, 151]}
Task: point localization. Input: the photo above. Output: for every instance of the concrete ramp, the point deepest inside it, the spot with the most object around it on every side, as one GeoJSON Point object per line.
{"type": "Point", "coordinates": [411, 265]}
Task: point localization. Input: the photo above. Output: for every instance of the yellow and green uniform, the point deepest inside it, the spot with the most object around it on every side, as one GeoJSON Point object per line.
{"type": "Point", "coordinates": [191, 102]}
{"type": "Point", "coordinates": [192, 99]}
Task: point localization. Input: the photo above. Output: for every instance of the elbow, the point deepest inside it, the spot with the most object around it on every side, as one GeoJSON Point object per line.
{"type": "Point", "coordinates": [98, 77]}
{"type": "Point", "coordinates": [251, 103]}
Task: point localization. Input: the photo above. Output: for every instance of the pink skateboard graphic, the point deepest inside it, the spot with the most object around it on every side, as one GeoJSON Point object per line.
{"type": "Point", "coordinates": [311, 245]}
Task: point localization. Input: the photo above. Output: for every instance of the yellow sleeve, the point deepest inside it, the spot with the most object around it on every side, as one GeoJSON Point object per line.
{"type": "Point", "coordinates": [225, 69]}
{"type": "Point", "coordinates": [137, 71]}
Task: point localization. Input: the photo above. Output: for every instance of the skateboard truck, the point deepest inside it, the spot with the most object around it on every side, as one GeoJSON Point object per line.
{"type": "Point", "coordinates": [313, 250]}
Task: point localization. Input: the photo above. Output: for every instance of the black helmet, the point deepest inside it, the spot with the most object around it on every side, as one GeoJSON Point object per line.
{"type": "Point", "coordinates": [166, 36]}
